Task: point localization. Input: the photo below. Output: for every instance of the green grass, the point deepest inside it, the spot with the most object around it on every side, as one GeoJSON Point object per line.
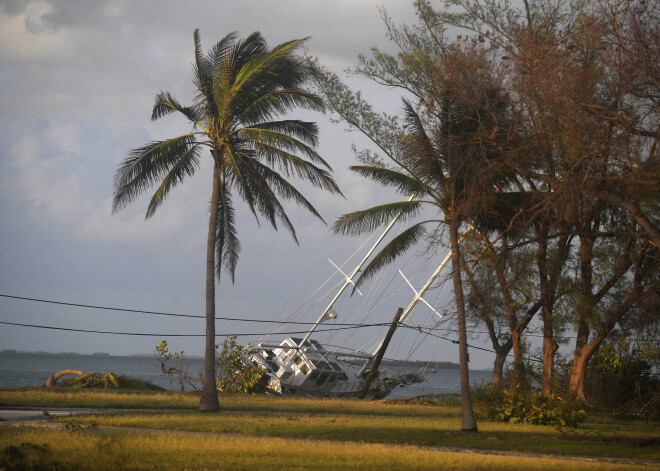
{"type": "Point", "coordinates": [624, 442]}
{"type": "Point", "coordinates": [101, 399]}
{"type": "Point", "coordinates": [346, 424]}
{"type": "Point", "coordinates": [35, 448]}
{"type": "Point", "coordinates": [118, 399]}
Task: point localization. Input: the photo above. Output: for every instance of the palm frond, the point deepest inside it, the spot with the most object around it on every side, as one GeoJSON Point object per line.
{"type": "Point", "coordinates": [220, 52]}
{"type": "Point", "coordinates": [272, 70]}
{"type": "Point", "coordinates": [369, 220]}
{"type": "Point", "coordinates": [237, 175]}
{"type": "Point", "coordinates": [227, 247]}
{"type": "Point", "coordinates": [186, 166]}
{"type": "Point", "coordinates": [203, 73]}
{"type": "Point", "coordinates": [257, 181]}
{"type": "Point", "coordinates": [286, 189]}
{"type": "Point", "coordinates": [394, 178]}
{"type": "Point", "coordinates": [147, 165]}
{"type": "Point", "coordinates": [264, 104]}
{"type": "Point", "coordinates": [418, 150]}
{"type": "Point", "coordinates": [290, 163]}
{"type": "Point", "coordinates": [396, 247]}
{"type": "Point", "coordinates": [305, 131]}
{"type": "Point", "coordinates": [278, 139]}
{"type": "Point", "coordinates": [165, 104]}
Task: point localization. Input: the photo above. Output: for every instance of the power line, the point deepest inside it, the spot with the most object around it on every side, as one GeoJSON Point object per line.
{"type": "Point", "coordinates": [161, 313]}
{"type": "Point", "coordinates": [238, 319]}
{"type": "Point", "coordinates": [148, 334]}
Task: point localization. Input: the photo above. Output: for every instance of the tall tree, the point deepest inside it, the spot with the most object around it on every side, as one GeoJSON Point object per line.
{"type": "Point", "coordinates": [244, 92]}
{"type": "Point", "coordinates": [447, 156]}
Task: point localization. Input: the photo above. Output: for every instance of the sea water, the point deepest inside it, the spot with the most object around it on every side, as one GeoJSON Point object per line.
{"type": "Point", "coordinates": [18, 369]}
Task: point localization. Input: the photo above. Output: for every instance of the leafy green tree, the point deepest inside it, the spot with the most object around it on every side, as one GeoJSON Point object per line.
{"type": "Point", "coordinates": [244, 91]}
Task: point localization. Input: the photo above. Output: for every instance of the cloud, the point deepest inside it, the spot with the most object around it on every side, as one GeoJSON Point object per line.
{"type": "Point", "coordinates": [48, 181]}
{"type": "Point", "coordinates": [26, 36]}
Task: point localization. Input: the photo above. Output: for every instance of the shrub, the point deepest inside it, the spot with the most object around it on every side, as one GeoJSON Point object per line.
{"type": "Point", "coordinates": [234, 373]}
{"type": "Point", "coordinates": [531, 407]}
{"type": "Point", "coordinates": [237, 376]}
{"type": "Point", "coordinates": [621, 375]}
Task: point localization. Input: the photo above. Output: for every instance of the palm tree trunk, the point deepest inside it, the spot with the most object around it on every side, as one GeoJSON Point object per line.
{"type": "Point", "coordinates": [209, 399]}
{"type": "Point", "coordinates": [468, 422]}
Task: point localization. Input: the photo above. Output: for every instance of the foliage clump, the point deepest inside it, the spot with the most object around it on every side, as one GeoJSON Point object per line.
{"type": "Point", "coordinates": [529, 407]}
{"type": "Point", "coordinates": [237, 376]}
{"type": "Point", "coordinates": [621, 376]}
{"type": "Point", "coordinates": [110, 381]}
{"type": "Point", "coordinates": [233, 373]}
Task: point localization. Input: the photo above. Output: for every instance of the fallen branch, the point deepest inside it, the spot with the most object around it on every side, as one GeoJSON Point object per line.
{"type": "Point", "coordinates": [50, 382]}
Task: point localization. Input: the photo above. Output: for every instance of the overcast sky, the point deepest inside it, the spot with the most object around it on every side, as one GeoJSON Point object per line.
{"type": "Point", "coordinates": [78, 80]}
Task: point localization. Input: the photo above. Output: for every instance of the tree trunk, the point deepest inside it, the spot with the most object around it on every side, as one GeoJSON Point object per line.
{"type": "Point", "coordinates": [209, 399]}
{"type": "Point", "coordinates": [498, 368]}
{"type": "Point", "coordinates": [468, 422]}
{"type": "Point", "coordinates": [514, 325]}
{"type": "Point", "coordinates": [518, 361]}
{"type": "Point", "coordinates": [578, 372]}
{"type": "Point", "coordinates": [549, 344]}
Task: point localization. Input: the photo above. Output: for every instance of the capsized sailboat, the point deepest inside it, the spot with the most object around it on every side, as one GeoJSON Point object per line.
{"type": "Point", "coordinates": [303, 366]}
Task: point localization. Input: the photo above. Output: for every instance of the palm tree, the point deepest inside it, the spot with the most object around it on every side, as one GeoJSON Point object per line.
{"type": "Point", "coordinates": [449, 162]}
{"type": "Point", "coordinates": [244, 91]}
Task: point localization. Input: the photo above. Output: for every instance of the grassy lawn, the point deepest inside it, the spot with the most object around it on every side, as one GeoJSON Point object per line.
{"type": "Point", "coordinates": [117, 399]}
{"type": "Point", "coordinates": [100, 399]}
{"type": "Point", "coordinates": [65, 449]}
{"type": "Point", "coordinates": [356, 434]}
{"type": "Point", "coordinates": [592, 439]}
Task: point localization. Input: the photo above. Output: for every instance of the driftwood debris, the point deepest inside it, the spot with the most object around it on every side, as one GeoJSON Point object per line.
{"type": "Point", "coordinates": [50, 382]}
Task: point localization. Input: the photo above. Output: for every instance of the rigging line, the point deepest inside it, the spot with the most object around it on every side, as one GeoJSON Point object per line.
{"type": "Point", "coordinates": [320, 267]}
{"type": "Point", "coordinates": [299, 313]}
{"type": "Point", "coordinates": [374, 289]}
{"type": "Point", "coordinates": [302, 309]}
{"type": "Point", "coordinates": [370, 344]}
{"type": "Point", "coordinates": [430, 315]}
{"type": "Point", "coordinates": [71, 329]}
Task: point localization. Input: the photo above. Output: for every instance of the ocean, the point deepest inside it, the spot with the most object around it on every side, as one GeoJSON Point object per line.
{"type": "Point", "coordinates": [18, 369]}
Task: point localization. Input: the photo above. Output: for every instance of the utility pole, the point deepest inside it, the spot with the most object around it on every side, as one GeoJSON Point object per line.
{"type": "Point", "coordinates": [381, 353]}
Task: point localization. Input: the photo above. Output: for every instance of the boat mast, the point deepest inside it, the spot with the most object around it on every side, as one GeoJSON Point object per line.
{"type": "Point", "coordinates": [412, 304]}
{"type": "Point", "coordinates": [349, 278]}
{"type": "Point", "coordinates": [420, 293]}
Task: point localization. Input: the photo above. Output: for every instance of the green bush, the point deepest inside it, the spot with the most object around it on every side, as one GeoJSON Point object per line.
{"type": "Point", "coordinates": [233, 373]}
{"type": "Point", "coordinates": [531, 407]}
{"type": "Point", "coordinates": [237, 376]}
{"type": "Point", "coordinates": [620, 375]}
